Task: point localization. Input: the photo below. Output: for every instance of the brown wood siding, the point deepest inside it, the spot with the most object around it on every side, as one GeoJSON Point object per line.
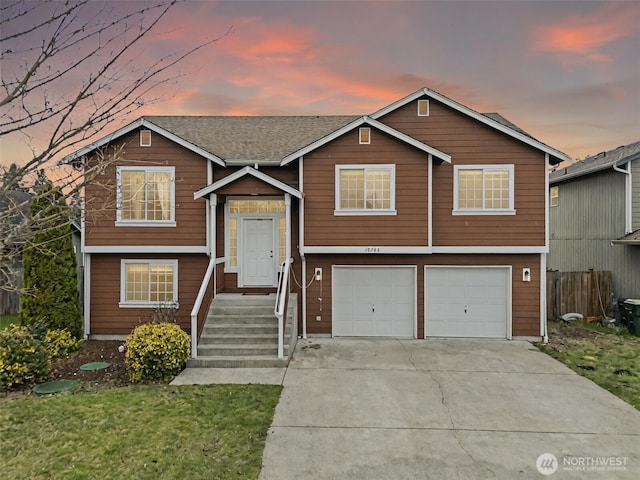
{"type": "Point", "coordinates": [249, 185]}
{"type": "Point", "coordinates": [470, 142]}
{"type": "Point", "coordinates": [190, 214]}
{"type": "Point", "coordinates": [525, 296]}
{"type": "Point", "coordinates": [107, 318]}
{"type": "Point", "coordinates": [407, 228]}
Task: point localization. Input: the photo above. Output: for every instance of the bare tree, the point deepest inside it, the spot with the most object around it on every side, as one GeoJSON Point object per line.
{"type": "Point", "coordinates": [69, 70]}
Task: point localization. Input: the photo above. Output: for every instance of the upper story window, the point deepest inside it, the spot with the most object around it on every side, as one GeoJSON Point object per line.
{"type": "Point", "coordinates": [554, 194]}
{"type": "Point", "coordinates": [149, 283]}
{"type": "Point", "coordinates": [365, 189]}
{"type": "Point", "coordinates": [483, 190]}
{"type": "Point", "coordinates": [146, 196]}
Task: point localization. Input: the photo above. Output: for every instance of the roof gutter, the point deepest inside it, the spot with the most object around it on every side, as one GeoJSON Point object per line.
{"type": "Point", "coordinates": [628, 220]}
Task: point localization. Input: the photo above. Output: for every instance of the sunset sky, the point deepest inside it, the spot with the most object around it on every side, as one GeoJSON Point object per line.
{"type": "Point", "coordinates": [568, 72]}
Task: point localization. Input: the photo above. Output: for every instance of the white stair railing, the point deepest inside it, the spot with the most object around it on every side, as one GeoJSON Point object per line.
{"type": "Point", "coordinates": [282, 295]}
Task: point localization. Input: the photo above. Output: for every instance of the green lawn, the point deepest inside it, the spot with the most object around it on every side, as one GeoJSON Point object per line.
{"type": "Point", "coordinates": [144, 432]}
{"type": "Point", "coordinates": [6, 320]}
{"type": "Point", "coordinates": [607, 356]}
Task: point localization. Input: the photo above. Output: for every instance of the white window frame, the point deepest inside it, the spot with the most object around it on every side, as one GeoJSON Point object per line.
{"type": "Point", "coordinates": [171, 222]}
{"type": "Point", "coordinates": [124, 303]}
{"type": "Point", "coordinates": [554, 196]}
{"type": "Point", "coordinates": [365, 211]}
{"type": "Point", "coordinates": [510, 210]}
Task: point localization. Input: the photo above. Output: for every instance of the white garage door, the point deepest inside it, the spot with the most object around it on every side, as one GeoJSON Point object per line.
{"type": "Point", "coordinates": [467, 302]}
{"type": "Point", "coordinates": [374, 301]}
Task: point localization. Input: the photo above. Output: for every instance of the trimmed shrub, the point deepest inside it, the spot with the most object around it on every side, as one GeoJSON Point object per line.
{"type": "Point", "coordinates": [156, 351]}
{"type": "Point", "coordinates": [23, 358]}
{"type": "Point", "coordinates": [60, 343]}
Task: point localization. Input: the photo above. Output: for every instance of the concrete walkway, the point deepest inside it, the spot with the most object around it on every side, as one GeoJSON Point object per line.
{"type": "Point", "coordinates": [450, 409]}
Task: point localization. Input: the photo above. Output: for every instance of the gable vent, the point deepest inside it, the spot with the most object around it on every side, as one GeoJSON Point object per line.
{"type": "Point", "coordinates": [423, 108]}
{"type": "Point", "coordinates": [365, 135]}
{"type": "Point", "coordinates": [145, 138]}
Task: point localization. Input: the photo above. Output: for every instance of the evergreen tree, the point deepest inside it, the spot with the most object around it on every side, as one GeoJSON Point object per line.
{"type": "Point", "coordinates": [50, 284]}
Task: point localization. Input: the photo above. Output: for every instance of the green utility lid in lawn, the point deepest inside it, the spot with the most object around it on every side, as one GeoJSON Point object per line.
{"type": "Point", "coordinates": [95, 366]}
{"type": "Point", "coordinates": [55, 387]}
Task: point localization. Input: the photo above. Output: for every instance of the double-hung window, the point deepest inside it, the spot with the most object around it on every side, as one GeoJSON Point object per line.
{"type": "Point", "coordinates": [146, 196]}
{"type": "Point", "coordinates": [483, 190]}
{"type": "Point", "coordinates": [365, 190]}
{"type": "Point", "coordinates": [148, 283]}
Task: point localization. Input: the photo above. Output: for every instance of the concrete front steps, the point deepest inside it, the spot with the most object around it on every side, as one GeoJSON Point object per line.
{"type": "Point", "coordinates": [241, 331]}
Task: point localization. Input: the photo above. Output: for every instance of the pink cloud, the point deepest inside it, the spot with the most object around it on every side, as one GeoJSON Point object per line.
{"type": "Point", "coordinates": [587, 37]}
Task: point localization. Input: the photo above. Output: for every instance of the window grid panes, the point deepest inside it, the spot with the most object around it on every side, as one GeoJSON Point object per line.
{"type": "Point", "coordinates": [149, 282]}
{"type": "Point", "coordinates": [483, 189]}
{"type": "Point", "coordinates": [365, 189]}
{"type": "Point", "coordinates": [256, 206]}
{"type": "Point", "coordinates": [233, 242]}
{"type": "Point", "coordinates": [146, 195]}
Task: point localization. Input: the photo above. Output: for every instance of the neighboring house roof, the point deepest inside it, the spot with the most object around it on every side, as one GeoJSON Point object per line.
{"type": "Point", "coordinates": [632, 238]}
{"type": "Point", "coordinates": [229, 140]}
{"type": "Point", "coordinates": [602, 161]}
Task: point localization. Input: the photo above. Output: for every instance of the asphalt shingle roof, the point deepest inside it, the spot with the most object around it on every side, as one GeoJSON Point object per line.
{"type": "Point", "coordinates": [259, 139]}
{"type": "Point", "coordinates": [601, 161]}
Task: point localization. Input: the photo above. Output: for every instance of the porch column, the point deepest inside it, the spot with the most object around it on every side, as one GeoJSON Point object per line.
{"type": "Point", "coordinates": [213, 205]}
{"type": "Point", "coordinates": [287, 203]}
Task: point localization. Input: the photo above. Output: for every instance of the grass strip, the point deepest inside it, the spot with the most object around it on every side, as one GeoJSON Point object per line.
{"type": "Point", "coordinates": [610, 357]}
{"type": "Point", "coordinates": [142, 432]}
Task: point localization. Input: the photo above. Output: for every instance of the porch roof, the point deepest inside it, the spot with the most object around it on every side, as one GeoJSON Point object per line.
{"type": "Point", "coordinates": [208, 190]}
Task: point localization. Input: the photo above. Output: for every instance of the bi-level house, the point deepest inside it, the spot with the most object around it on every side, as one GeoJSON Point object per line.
{"type": "Point", "coordinates": [423, 219]}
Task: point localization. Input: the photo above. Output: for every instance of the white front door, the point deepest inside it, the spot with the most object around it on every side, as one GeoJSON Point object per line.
{"type": "Point", "coordinates": [257, 269]}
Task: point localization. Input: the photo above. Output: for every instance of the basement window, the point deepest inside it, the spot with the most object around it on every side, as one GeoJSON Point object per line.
{"type": "Point", "coordinates": [145, 138]}
{"type": "Point", "coordinates": [423, 108]}
{"type": "Point", "coordinates": [365, 136]}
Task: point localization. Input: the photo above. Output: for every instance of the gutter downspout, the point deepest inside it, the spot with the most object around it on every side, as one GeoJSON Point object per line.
{"type": "Point", "coordinates": [628, 227]}
{"type": "Point", "coordinates": [543, 257]}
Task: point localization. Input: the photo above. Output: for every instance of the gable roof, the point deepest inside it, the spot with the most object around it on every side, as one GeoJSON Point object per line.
{"type": "Point", "coordinates": [601, 161]}
{"type": "Point", "coordinates": [374, 123]}
{"type": "Point", "coordinates": [492, 120]}
{"type": "Point", "coordinates": [252, 139]}
{"type": "Point", "coordinates": [203, 192]}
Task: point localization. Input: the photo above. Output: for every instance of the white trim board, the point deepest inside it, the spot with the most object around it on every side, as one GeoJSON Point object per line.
{"type": "Point", "coordinates": [241, 173]}
{"type": "Point", "coordinates": [152, 249]}
{"type": "Point", "coordinates": [419, 250]}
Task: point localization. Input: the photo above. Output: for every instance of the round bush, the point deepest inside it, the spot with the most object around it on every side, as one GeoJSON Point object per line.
{"type": "Point", "coordinates": [59, 343]}
{"type": "Point", "coordinates": [23, 358]}
{"type": "Point", "coordinates": [156, 351]}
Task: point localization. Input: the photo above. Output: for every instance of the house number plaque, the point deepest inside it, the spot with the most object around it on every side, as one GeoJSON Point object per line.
{"type": "Point", "coordinates": [372, 250]}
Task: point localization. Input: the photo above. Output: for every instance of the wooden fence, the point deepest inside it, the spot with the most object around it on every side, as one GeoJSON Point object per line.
{"type": "Point", "coordinates": [588, 293]}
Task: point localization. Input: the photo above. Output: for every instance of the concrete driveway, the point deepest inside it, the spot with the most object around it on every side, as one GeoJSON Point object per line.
{"type": "Point", "coordinates": [458, 409]}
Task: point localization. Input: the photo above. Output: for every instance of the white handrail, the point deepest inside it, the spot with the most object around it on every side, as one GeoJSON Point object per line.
{"type": "Point", "coordinates": [196, 307]}
{"type": "Point", "coordinates": [281, 297]}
